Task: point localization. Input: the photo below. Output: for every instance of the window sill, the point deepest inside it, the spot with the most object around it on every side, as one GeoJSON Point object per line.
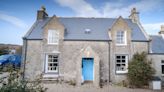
{"type": "Point", "coordinates": [50, 75]}
{"type": "Point", "coordinates": [121, 44]}
{"type": "Point", "coordinates": [121, 72]}
{"type": "Point", "coordinates": [52, 43]}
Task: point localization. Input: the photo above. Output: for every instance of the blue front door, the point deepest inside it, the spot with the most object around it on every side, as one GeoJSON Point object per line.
{"type": "Point", "coordinates": [87, 68]}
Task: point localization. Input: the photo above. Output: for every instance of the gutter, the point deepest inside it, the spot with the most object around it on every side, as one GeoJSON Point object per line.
{"type": "Point", "coordinates": [155, 53]}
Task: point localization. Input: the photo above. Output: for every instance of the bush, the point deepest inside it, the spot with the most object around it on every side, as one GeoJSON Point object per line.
{"type": "Point", "coordinates": [140, 71]}
{"type": "Point", "coordinates": [13, 83]}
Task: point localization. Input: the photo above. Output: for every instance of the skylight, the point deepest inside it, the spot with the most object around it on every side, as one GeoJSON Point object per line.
{"type": "Point", "coordinates": [87, 31]}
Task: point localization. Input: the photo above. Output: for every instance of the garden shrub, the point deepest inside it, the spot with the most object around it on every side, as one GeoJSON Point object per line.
{"type": "Point", "coordinates": [140, 71]}
{"type": "Point", "coordinates": [14, 83]}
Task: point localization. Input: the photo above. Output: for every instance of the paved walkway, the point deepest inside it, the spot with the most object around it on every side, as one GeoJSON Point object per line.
{"type": "Point", "coordinates": [89, 88]}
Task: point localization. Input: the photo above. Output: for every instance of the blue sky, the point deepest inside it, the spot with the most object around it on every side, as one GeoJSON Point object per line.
{"type": "Point", "coordinates": [17, 16]}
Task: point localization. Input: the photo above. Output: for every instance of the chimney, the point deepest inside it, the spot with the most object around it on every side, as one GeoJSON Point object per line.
{"type": "Point", "coordinates": [162, 30]}
{"type": "Point", "coordinates": [41, 14]}
{"type": "Point", "coordinates": [134, 16]}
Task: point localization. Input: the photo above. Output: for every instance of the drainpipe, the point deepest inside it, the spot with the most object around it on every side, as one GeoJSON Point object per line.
{"type": "Point", "coordinates": [149, 46]}
{"type": "Point", "coordinates": [109, 60]}
{"type": "Point", "coordinates": [25, 53]}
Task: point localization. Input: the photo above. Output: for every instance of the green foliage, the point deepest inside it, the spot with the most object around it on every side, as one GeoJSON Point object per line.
{"type": "Point", "coordinates": [13, 83]}
{"type": "Point", "coordinates": [140, 71]}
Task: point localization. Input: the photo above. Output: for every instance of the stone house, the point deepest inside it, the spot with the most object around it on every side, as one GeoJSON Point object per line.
{"type": "Point", "coordinates": [87, 49]}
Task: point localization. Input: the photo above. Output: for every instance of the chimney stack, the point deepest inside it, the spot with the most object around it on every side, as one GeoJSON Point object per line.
{"type": "Point", "coordinates": [41, 14]}
{"type": "Point", "coordinates": [162, 30]}
{"type": "Point", "coordinates": [134, 16]}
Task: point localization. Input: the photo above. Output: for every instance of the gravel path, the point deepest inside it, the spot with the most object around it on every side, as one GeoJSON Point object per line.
{"type": "Point", "coordinates": [90, 88]}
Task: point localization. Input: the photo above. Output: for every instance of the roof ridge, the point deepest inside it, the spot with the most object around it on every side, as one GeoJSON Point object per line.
{"type": "Point", "coordinates": [88, 17]}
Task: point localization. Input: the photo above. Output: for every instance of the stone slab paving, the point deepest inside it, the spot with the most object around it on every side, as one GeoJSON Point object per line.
{"type": "Point", "coordinates": [88, 88]}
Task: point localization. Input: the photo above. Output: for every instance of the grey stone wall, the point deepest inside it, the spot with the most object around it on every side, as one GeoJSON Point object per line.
{"type": "Point", "coordinates": [156, 64]}
{"type": "Point", "coordinates": [120, 24]}
{"type": "Point", "coordinates": [70, 50]}
{"type": "Point", "coordinates": [139, 47]}
{"type": "Point", "coordinates": [34, 60]}
{"type": "Point", "coordinates": [129, 49]}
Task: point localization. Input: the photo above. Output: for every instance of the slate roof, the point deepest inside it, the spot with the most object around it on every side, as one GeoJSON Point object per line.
{"type": "Point", "coordinates": [36, 30]}
{"type": "Point", "coordinates": [157, 44]}
{"type": "Point", "coordinates": [75, 29]}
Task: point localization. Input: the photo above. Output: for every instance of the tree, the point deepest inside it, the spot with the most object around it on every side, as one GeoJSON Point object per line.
{"type": "Point", "coordinates": [140, 71]}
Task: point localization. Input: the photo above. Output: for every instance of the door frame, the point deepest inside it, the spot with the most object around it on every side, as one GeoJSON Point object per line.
{"type": "Point", "coordinates": [87, 52]}
{"type": "Point", "coordinates": [92, 66]}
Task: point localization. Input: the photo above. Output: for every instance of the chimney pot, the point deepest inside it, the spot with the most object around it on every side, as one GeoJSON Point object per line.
{"type": "Point", "coordinates": [162, 27]}
{"type": "Point", "coordinates": [43, 8]}
{"type": "Point", "coordinates": [41, 14]}
{"type": "Point", "coordinates": [162, 30]}
{"type": "Point", "coordinates": [133, 10]}
{"type": "Point", "coordinates": [134, 16]}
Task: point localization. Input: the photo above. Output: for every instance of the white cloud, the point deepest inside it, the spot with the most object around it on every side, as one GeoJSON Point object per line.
{"type": "Point", "coordinates": [115, 9]}
{"type": "Point", "coordinates": [13, 20]}
{"type": "Point", "coordinates": [153, 28]}
{"type": "Point", "coordinates": [80, 7]}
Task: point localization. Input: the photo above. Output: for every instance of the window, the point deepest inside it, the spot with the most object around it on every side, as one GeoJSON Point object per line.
{"type": "Point", "coordinates": [121, 63]}
{"type": "Point", "coordinates": [121, 38]}
{"type": "Point", "coordinates": [87, 31]}
{"type": "Point", "coordinates": [53, 37]}
{"type": "Point", "coordinates": [51, 63]}
{"type": "Point", "coordinates": [162, 66]}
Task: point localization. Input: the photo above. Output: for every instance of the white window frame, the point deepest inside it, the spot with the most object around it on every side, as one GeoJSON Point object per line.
{"type": "Point", "coordinates": [126, 64]}
{"type": "Point", "coordinates": [46, 64]}
{"type": "Point", "coordinates": [124, 39]}
{"type": "Point", "coordinates": [53, 37]}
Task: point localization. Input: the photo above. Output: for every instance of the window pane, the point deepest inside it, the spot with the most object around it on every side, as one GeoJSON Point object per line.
{"type": "Point", "coordinates": [118, 57]}
{"type": "Point", "coordinates": [123, 57]}
{"type": "Point", "coordinates": [53, 36]}
{"type": "Point", "coordinates": [162, 69]}
{"type": "Point", "coordinates": [118, 65]}
{"type": "Point", "coordinates": [56, 64]}
{"type": "Point", "coordinates": [55, 60]}
{"type": "Point", "coordinates": [162, 61]}
{"type": "Point", "coordinates": [49, 56]}
{"type": "Point", "coordinates": [121, 63]}
{"type": "Point", "coordinates": [118, 61]}
{"type": "Point", "coordinates": [54, 68]}
{"type": "Point", "coordinates": [55, 56]}
{"type": "Point", "coordinates": [120, 37]}
{"type": "Point", "coordinates": [52, 63]}
{"type": "Point", "coordinates": [123, 68]}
